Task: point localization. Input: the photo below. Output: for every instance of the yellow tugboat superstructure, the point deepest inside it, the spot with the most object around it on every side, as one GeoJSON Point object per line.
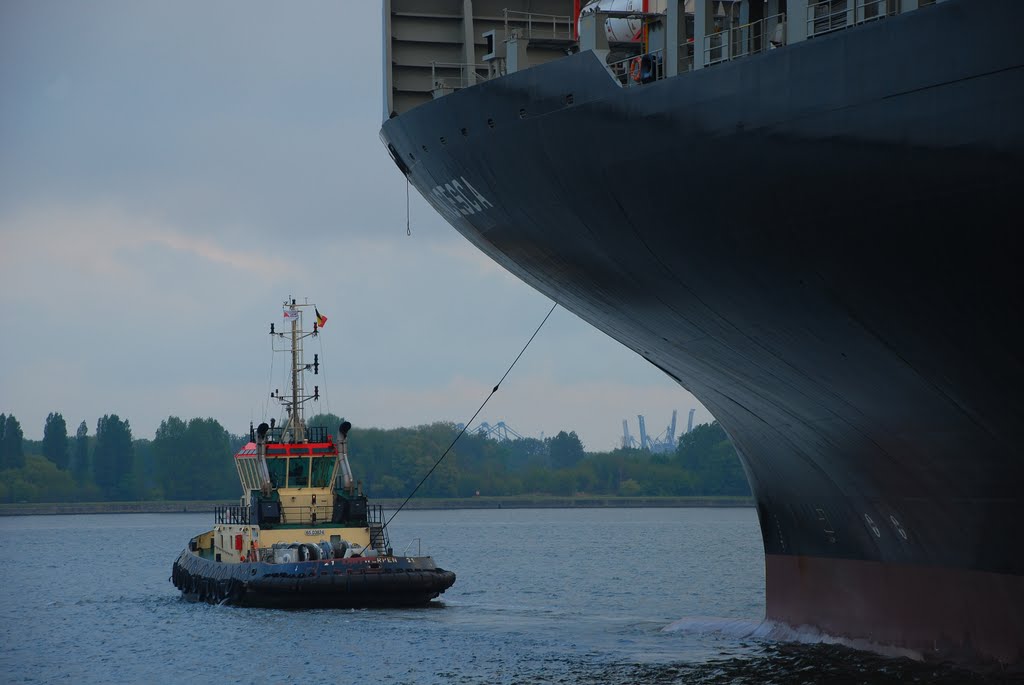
{"type": "Point", "coordinates": [295, 492]}
{"type": "Point", "coordinates": [303, 533]}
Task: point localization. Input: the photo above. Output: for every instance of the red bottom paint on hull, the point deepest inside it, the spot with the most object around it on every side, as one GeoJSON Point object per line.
{"type": "Point", "coordinates": [939, 612]}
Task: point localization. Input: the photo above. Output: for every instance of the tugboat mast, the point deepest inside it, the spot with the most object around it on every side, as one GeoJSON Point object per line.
{"type": "Point", "coordinates": [295, 426]}
{"type": "Point", "coordinates": [295, 418]}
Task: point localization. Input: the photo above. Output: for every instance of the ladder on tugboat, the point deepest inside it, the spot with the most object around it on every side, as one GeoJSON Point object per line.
{"type": "Point", "coordinates": [378, 538]}
{"type": "Point", "coordinates": [378, 529]}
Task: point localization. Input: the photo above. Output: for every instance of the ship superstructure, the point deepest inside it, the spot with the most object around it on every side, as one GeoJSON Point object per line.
{"type": "Point", "coordinates": [296, 480]}
{"type": "Point", "coordinates": [805, 213]}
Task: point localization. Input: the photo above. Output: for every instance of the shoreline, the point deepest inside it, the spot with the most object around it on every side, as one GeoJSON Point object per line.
{"type": "Point", "coordinates": [437, 503]}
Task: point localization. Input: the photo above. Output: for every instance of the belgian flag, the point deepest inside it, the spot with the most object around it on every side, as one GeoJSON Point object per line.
{"type": "Point", "coordinates": [320, 318]}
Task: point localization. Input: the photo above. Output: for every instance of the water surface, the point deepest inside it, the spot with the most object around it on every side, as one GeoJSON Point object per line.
{"type": "Point", "coordinates": [542, 596]}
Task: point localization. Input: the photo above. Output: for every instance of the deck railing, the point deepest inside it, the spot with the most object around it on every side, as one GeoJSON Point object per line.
{"type": "Point", "coordinates": [762, 35]}
{"type": "Point", "coordinates": [467, 75]}
{"type": "Point", "coordinates": [308, 514]}
{"type": "Point", "coordinates": [746, 39]}
{"type": "Point", "coordinates": [831, 15]}
{"type": "Point", "coordinates": [317, 514]}
{"type": "Point", "coordinates": [233, 514]}
{"type": "Point", "coordinates": [539, 26]}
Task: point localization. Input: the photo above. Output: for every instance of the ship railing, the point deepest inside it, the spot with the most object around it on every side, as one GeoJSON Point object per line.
{"type": "Point", "coordinates": [639, 69]}
{"type": "Point", "coordinates": [686, 55]}
{"type": "Point", "coordinates": [311, 514]}
{"type": "Point", "coordinates": [233, 514]}
{"type": "Point", "coordinates": [746, 39]}
{"type": "Point", "coordinates": [535, 26]}
{"type": "Point", "coordinates": [450, 76]}
{"type": "Point", "coordinates": [318, 434]}
{"type": "Point", "coordinates": [312, 434]}
{"type": "Point", "coordinates": [826, 16]}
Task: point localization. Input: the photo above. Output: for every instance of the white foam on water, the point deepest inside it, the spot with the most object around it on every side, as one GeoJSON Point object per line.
{"type": "Point", "coordinates": [774, 631]}
{"type": "Point", "coordinates": [738, 628]}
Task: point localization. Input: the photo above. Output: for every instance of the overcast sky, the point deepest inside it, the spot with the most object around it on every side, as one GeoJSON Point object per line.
{"type": "Point", "coordinates": [170, 172]}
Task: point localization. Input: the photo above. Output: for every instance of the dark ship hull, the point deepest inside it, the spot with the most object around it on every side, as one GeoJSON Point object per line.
{"type": "Point", "coordinates": [822, 244]}
{"type": "Point", "coordinates": [334, 583]}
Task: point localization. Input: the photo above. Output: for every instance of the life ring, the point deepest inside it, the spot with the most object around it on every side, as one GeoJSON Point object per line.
{"type": "Point", "coordinates": [636, 69]}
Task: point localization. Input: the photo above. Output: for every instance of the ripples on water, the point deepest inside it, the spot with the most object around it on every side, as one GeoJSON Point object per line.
{"type": "Point", "coordinates": [543, 596]}
{"type": "Point", "coordinates": [795, 664]}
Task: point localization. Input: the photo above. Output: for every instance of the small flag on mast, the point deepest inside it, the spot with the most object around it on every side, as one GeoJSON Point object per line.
{"type": "Point", "coordinates": [320, 318]}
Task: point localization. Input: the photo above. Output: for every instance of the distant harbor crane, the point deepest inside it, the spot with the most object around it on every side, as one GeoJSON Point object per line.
{"type": "Point", "coordinates": [628, 441]}
{"type": "Point", "coordinates": [670, 432]}
{"type": "Point", "coordinates": [500, 431]}
{"type": "Point", "coordinates": [664, 442]}
{"type": "Point", "coordinates": [643, 432]}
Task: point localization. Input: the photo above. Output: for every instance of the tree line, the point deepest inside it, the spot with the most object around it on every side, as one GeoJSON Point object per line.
{"type": "Point", "coordinates": [192, 460]}
{"type": "Point", "coordinates": [184, 461]}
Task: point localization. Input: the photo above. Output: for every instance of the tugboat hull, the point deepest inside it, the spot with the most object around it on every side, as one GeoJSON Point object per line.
{"type": "Point", "coordinates": [357, 582]}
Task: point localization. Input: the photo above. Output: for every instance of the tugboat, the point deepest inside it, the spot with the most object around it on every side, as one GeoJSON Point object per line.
{"type": "Point", "coordinates": [303, 534]}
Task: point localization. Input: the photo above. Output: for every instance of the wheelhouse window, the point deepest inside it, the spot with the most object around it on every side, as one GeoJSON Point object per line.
{"type": "Point", "coordinates": [278, 470]}
{"type": "Point", "coordinates": [249, 473]}
{"type": "Point", "coordinates": [298, 472]}
{"type": "Point", "coordinates": [322, 469]}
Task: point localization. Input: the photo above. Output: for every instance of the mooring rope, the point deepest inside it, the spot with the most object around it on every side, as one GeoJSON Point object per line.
{"type": "Point", "coordinates": [468, 423]}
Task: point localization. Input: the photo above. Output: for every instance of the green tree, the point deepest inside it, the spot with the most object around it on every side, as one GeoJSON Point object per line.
{"type": "Point", "coordinates": [630, 488]}
{"type": "Point", "coordinates": [211, 452]}
{"type": "Point", "coordinates": [415, 453]}
{"type": "Point", "coordinates": [12, 452]}
{"type": "Point", "coordinates": [193, 460]}
{"type": "Point", "coordinates": [80, 464]}
{"type": "Point", "coordinates": [55, 440]}
{"type": "Point", "coordinates": [560, 482]}
{"type": "Point", "coordinates": [566, 450]}
{"type": "Point", "coordinates": [391, 462]}
{"type": "Point", "coordinates": [144, 470]}
{"type": "Point", "coordinates": [709, 455]}
{"type": "Point", "coordinates": [585, 477]}
{"type": "Point", "coordinates": [699, 442]}
{"type": "Point", "coordinates": [172, 477]}
{"type": "Point", "coordinates": [113, 458]}
{"type": "Point", "coordinates": [328, 422]}
{"type": "Point", "coordinates": [39, 480]}
{"type": "Point", "coordinates": [526, 453]}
